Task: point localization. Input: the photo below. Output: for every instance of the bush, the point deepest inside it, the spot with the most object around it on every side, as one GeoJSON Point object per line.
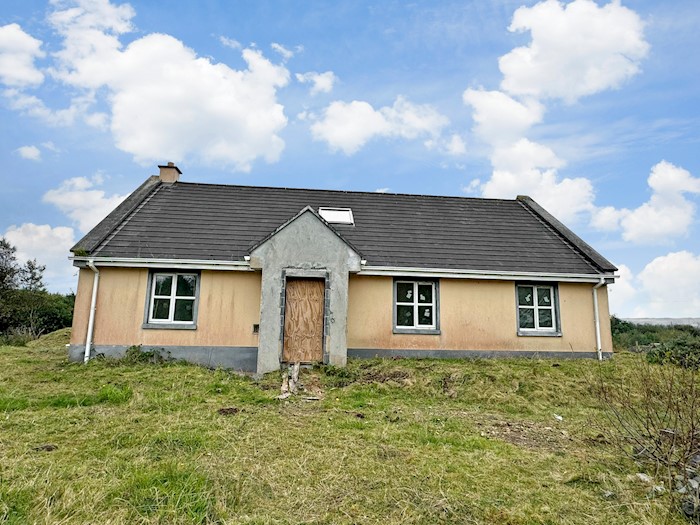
{"type": "Point", "coordinates": [16, 337]}
{"type": "Point", "coordinates": [684, 352]}
{"type": "Point", "coordinates": [653, 415]}
{"type": "Point", "coordinates": [628, 335]}
{"type": "Point", "coordinates": [35, 311]}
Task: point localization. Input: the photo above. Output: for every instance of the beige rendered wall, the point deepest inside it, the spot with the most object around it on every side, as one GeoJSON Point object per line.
{"type": "Point", "coordinates": [229, 305]}
{"type": "Point", "coordinates": [474, 315]}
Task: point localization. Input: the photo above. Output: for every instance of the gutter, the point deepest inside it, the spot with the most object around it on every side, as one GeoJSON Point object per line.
{"type": "Point", "coordinates": [451, 273]}
{"type": "Point", "coordinates": [139, 262]}
{"type": "Point", "coordinates": [93, 302]}
{"type": "Point", "coordinates": [596, 317]}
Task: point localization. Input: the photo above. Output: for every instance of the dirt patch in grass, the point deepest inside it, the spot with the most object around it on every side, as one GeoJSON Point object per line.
{"type": "Point", "coordinates": [527, 434]}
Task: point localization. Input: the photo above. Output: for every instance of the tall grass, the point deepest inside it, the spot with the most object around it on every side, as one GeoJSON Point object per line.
{"type": "Point", "coordinates": [395, 441]}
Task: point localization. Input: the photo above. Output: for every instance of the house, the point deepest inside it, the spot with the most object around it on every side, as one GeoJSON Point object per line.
{"type": "Point", "coordinates": [249, 277]}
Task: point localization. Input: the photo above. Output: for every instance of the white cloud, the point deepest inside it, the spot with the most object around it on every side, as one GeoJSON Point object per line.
{"type": "Point", "coordinates": [455, 146]}
{"type": "Point", "coordinates": [321, 82]}
{"type": "Point", "coordinates": [80, 200]}
{"type": "Point", "coordinates": [529, 168]}
{"type": "Point", "coordinates": [29, 152]}
{"type": "Point", "coordinates": [381, 190]}
{"type": "Point", "coordinates": [670, 283]}
{"type": "Point", "coordinates": [18, 50]}
{"type": "Point", "coordinates": [576, 49]}
{"type": "Point", "coordinates": [49, 145]}
{"type": "Point", "coordinates": [607, 218]}
{"type": "Point", "coordinates": [164, 101]}
{"type": "Point", "coordinates": [623, 294]}
{"type": "Point", "coordinates": [499, 118]}
{"type": "Point", "coordinates": [35, 107]}
{"type": "Point", "coordinates": [230, 42]}
{"type": "Point", "coordinates": [285, 53]}
{"type": "Point", "coordinates": [668, 213]}
{"type": "Point", "coordinates": [49, 246]}
{"type": "Point", "coordinates": [566, 199]}
{"type": "Point", "coordinates": [349, 126]}
{"type": "Point", "coordinates": [524, 155]}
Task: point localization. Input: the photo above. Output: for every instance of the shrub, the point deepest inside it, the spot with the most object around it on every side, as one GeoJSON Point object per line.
{"type": "Point", "coordinates": [684, 352]}
{"type": "Point", "coordinates": [19, 336]}
{"type": "Point", "coordinates": [653, 415]}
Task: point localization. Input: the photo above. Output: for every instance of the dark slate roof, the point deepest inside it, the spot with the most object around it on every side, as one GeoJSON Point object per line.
{"type": "Point", "coordinates": [222, 222]}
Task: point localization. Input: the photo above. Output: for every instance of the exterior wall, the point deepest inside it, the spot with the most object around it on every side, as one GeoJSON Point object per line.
{"type": "Point", "coordinates": [305, 247]}
{"type": "Point", "coordinates": [229, 305]}
{"type": "Point", "coordinates": [474, 315]}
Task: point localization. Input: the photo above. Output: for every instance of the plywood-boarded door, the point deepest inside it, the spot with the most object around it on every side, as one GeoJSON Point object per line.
{"type": "Point", "coordinates": [303, 320]}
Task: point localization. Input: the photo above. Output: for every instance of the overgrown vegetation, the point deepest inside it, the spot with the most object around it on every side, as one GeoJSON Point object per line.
{"type": "Point", "coordinates": [27, 310]}
{"type": "Point", "coordinates": [628, 336]}
{"type": "Point", "coordinates": [653, 415]}
{"type": "Point", "coordinates": [653, 412]}
{"type": "Point", "coordinates": [394, 441]}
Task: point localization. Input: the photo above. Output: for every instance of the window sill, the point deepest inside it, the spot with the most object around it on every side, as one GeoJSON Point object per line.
{"type": "Point", "coordinates": [417, 331]}
{"type": "Point", "coordinates": [535, 333]}
{"type": "Point", "coordinates": [169, 326]}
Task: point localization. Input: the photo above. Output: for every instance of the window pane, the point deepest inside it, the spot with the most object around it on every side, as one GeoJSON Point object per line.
{"type": "Point", "coordinates": [184, 310]}
{"type": "Point", "coordinates": [186, 285]}
{"type": "Point", "coordinates": [404, 292]}
{"type": "Point", "coordinates": [161, 308]}
{"type": "Point", "coordinates": [544, 296]}
{"type": "Point", "coordinates": [404, 316]}
{"type": "Point", "coordinates": [526, 317]}
{"type": "Point", "coordinates": [425, 293]}
{"type": "Point", "coordinates": [545, 318]}
{"type": "Point", "coordinates": [164, 284]}
{"type": "Point", "coordinates": [525, 295]}
{"type": "Point", "coordinates": [425, 315]}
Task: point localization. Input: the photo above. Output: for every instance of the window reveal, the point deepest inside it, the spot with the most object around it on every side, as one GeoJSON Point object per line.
{"type": "Point", "coordinates": [415, 304]}
{"type": "Point", "coordinates": [537, 308]}
{"type": "Point", "coordinates": [173, 298]}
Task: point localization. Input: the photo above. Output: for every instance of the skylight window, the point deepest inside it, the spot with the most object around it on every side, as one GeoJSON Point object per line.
{"type": "Point", "coordinates": [337, 215]}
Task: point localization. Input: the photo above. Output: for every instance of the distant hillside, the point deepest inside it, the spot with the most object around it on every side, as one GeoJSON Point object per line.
{"type": "Point", "coordinates": [665, 321]}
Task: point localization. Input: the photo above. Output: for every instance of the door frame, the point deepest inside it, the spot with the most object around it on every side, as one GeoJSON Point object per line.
{"type": "Point", "coordinates": [303, 273]}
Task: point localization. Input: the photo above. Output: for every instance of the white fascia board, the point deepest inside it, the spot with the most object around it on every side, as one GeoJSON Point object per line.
{"type": "Point", "coordinates": [135, 262]}
{"type": "Point", "coordinates": [482, 274]}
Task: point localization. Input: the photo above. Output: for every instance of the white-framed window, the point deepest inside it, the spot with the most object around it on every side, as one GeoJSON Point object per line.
{"type": "Point", "coordinates": [415, 305]}
{"type": "Point", "coordinates": [537, 308]}
{"type": "Point", "coordinates": [173, 298]}
{"type": "Point", "coordinates": [337, 215]}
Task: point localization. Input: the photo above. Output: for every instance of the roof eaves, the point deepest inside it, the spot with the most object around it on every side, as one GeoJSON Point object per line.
{"type": "Point", "coordinates": [582, 246]}
{"type": "Point", "coordinates": [288, 222]}
{"type": "Point", "coordinates": [104, 228]}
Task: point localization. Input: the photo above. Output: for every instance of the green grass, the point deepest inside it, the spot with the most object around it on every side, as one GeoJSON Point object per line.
{"type": "Point", "coordinates": [396, 441]}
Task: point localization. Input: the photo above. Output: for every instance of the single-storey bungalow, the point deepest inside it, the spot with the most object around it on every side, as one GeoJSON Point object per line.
{"type": "Point", "coordinates": [249, 278]}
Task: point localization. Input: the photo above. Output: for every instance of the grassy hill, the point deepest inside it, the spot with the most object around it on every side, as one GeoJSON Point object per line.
{"type": "Point", "coordinates": [402, 441]}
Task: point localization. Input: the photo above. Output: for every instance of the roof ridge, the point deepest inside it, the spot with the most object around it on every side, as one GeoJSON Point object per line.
{"type": "Point", "coordinates": [362, 192]}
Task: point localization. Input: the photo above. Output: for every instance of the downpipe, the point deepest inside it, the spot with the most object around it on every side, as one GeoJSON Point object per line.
{"type": "Point", "coordinates": [596, 317]}
{"type": "Point", "coordinates": [93, 303]}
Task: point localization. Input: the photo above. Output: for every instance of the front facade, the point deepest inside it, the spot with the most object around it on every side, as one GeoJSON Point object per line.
{"type": "Point", "coordinates": [250, 278]}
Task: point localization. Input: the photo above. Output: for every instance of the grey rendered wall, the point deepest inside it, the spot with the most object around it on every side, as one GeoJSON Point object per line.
{"type": "Point", "coordinates": [305, 247]}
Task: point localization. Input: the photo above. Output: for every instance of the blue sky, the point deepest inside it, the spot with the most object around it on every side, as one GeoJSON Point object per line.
{"type": "Point", "coordinates": [591, 108]}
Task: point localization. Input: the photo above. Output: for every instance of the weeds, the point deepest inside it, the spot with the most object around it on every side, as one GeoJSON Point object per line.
{"type": "Point", "coordinates": [653, 415]}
